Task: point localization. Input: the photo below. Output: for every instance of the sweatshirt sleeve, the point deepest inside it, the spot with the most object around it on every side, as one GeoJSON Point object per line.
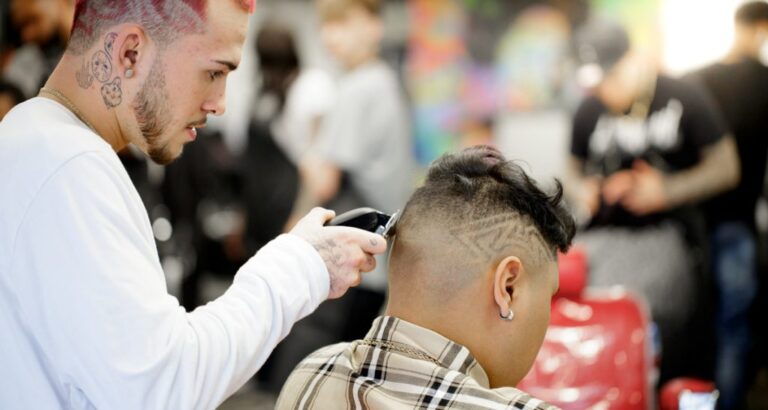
{"type": "Point", "coordinates": [92, 293]}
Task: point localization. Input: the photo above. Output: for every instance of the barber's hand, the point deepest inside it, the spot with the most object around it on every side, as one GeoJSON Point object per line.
{"type": "Point", "coordinates": [346, 251]}
{"type": "Point", "coordinates": [647, 195]}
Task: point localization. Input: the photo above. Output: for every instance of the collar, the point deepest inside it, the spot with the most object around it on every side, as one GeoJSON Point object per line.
{"type": "Point", "coordinates": [449, 354]}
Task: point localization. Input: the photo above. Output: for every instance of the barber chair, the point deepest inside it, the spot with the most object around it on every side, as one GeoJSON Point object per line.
{"type": "Point", "coordinates": [597, 353]}
{"type": "Point", "coordinates": [597, 350]}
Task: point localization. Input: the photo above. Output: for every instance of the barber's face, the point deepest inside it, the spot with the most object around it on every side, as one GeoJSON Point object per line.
{"type": "Point", "coordinates": [187, 81]}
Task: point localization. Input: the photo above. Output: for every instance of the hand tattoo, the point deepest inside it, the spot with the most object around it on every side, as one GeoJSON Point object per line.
{"type": "Point", "coordinates": [334, 259]}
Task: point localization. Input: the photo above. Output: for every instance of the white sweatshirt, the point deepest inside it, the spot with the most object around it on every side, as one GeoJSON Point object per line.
{"type": "Point", "coordinates": [85, 317]}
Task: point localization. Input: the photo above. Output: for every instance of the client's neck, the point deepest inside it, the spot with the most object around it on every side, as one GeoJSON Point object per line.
{"type": "Point", "coordinates": [468, 317]}
{"type": "Point", "coordinates": [453, 318]}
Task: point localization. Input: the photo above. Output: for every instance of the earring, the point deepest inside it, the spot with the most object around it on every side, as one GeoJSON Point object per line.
{"type": "Point", "coordinates": [508, 317]}
{"type": "Point", "coordinates": [128, 73]}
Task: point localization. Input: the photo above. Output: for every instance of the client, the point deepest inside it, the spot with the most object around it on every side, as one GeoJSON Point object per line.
{"type": "Point", "coordinates": [471, 275]}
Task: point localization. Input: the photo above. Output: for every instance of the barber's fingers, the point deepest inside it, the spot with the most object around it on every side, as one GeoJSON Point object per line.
{"type": "Point", "coordinates": [369, 263]}
{"type": "Point", "coordinates": [350, 274]}
{"type": "Point", "coordinates": [367, 241]}
{"type": "Point", "coordinates": [360, 261]}
{"type": "Point", "coordinates": [318, 216]}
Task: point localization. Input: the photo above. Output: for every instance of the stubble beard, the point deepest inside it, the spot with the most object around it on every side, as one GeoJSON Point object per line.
{"type": "Point", "coordinates": [151, 108]}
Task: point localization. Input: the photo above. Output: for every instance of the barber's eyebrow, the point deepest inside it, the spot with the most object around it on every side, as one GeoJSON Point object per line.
{"type": "Point", "coordinates": [230, 65]}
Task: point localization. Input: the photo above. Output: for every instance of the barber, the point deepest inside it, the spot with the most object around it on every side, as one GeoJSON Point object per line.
{"type": "Point", "coordinates": [85, 317]}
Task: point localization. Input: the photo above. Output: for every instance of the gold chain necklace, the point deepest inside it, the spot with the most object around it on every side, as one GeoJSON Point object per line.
{"type": "Point", "coordinates": [67, 103]}
{"type": "Point", "coordinates": [402, 348]}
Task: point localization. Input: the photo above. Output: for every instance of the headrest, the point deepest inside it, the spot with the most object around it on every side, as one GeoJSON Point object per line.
{"type": "Point", "coordinates": [573, 272]}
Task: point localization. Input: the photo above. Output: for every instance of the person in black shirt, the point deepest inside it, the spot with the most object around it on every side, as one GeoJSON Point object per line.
{"type": "Point", "coordinates": [735, 82]}
{"type": "Point", "coordinates": [644, 147]}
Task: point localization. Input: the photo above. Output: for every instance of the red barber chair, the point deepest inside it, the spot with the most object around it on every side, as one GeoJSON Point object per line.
{"type": "Point", "coordinates": [597, 352]}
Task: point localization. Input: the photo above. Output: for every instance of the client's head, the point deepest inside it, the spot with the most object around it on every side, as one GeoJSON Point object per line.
{"type": "Point", "coordinates": [475, 259]}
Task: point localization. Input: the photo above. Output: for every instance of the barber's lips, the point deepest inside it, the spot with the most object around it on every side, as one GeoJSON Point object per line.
{"type": "Point", "coordinates": [192, 129]}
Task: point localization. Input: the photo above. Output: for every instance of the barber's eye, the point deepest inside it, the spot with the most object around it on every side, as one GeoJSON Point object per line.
{"type": "Point", "coordinates": [215, 75]}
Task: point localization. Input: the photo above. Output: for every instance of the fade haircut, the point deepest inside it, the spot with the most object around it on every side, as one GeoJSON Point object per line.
{"type": "Point", "coordinates": [752, 12]}
{"type": "Point", "coordinates": [330, 10]}
{"type": "Point", "coordinates": [163, 20]}
{"type": "Point", "coordinates": [473, 209]}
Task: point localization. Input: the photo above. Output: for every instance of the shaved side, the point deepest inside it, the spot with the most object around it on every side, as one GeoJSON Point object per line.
{"type": "Point", "coordinates": [483, 240]}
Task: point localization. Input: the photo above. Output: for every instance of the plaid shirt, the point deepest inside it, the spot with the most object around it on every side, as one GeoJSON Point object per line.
{"type": "Point", "coordinates": [397, 366]}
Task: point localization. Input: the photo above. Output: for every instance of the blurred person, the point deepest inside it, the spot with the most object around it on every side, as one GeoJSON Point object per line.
{"type": "Point", "coordinates": [472, 272]}
{"type": "Point", "coordinates": [43, 21]}
{"type": "Point", "coordinates": [644, 148]}
{"type": "Point", "coordinates": [733, 83]}
{"type": "Point", "coordinates": [10, 96]}
{"type": "Point", "coordinates": [86, 319]}
{"type": "Point", "coordinates": [293, 98]}
{"type": "Point", "coordinates": [44, 27]}
{"type": "Point", "coordinates": [366, 136]}
{"type": "Point", "coordinates": [361, 157]}
{"type": "Point", "coordinates": [10, 38]}
{"type": "Point", "coordinates": [292, 102]}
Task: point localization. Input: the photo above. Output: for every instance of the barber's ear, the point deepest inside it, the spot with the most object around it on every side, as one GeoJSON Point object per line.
{"type": "Point", "coordinates": [505, 280]}
{"type": "Point", "coordinates": [131, 50]}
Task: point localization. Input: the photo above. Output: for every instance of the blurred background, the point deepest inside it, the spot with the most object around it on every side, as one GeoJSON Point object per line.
{"type": "Point", "coordinates": [306, 126]}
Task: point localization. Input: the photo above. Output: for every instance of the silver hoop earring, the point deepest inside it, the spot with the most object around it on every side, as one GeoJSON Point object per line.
{"type": "Point", "coordinates": [129, 73]}
{"type": "Point", "coordinates": [508, 317]}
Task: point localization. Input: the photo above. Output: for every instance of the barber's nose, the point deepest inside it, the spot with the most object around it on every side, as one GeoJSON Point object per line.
{"type": "Point", "coordinates": [215, 105]}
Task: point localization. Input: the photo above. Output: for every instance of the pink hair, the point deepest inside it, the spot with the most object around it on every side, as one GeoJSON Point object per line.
{"type": "Point", "coordinates": [121, 7]}
{"type": "Point", "coordinates": [163, 18]}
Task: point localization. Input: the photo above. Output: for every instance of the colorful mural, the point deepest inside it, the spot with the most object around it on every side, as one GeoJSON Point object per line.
{"type": "Point", "coordinates": [470, 61]}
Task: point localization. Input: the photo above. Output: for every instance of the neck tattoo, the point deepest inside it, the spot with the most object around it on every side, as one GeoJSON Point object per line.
{"type": "Point", "coordinates": [59, 97]}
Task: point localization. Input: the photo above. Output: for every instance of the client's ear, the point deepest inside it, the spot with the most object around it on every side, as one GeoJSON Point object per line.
{"type": "Point", "coordinates": [505, 280]}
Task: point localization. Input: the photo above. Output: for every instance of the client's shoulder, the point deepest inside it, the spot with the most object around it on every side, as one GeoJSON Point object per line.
{"type": "Point", "coordinates": [307, 385]}
{"type": "Point", "coordinates": [328, 354]}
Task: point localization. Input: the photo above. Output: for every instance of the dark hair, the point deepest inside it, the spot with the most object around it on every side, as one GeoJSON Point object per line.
{"type": "Point", "coordinates": [278, 61]}
{"type": "Point", "coordinates": [752, 12]}
{"type": "Point", "coordinates": [478, 183]}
